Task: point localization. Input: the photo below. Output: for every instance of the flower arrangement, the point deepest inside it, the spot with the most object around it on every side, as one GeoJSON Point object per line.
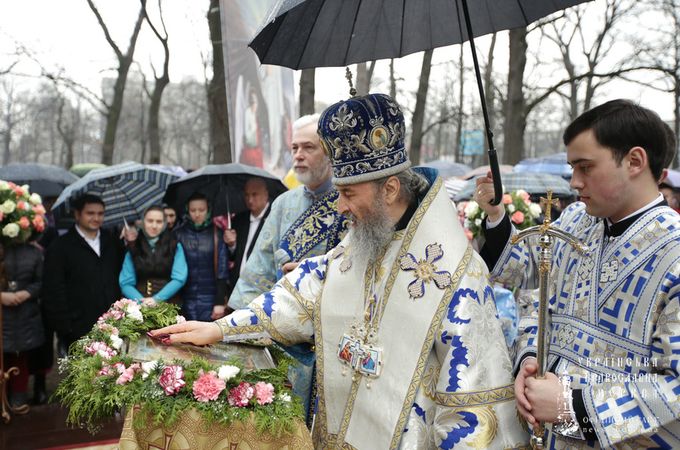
{"type": "Point", "coordinates": [518, 206]}
{"type": "Point", "coordinates": [100, 379]}
{"type": "Point", "coordinates": [22, 214]}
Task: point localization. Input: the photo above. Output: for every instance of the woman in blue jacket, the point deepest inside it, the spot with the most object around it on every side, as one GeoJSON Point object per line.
{"type": "Point", "coordinates": [204, 294]}
{"type": "Point", "coordinates": [155, 267]}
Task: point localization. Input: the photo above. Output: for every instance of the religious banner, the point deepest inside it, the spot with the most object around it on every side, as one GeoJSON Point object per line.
{"type": "Point", "coordinates": [260, 98]}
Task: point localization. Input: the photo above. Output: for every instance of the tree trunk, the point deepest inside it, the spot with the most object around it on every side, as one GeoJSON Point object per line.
{"type": "Point", "coordinates": [393, 81]}
{"type": "Point", "coordinates": [124, 62]}
{"type": "Point", "coordinates": [159, 86]}
{"type": "Point", "coordinates": [307, 87]}
{"type": "Point", "coordinates": [419, 112]}
{"type": "Point", "coordinates": [515, 114]}
{"type": "Point", "coordinates": [364, 76]}
{"type": "Point", "coordinates": [217, 92]}
{"type": "Point", "coordinates": [461, 98]}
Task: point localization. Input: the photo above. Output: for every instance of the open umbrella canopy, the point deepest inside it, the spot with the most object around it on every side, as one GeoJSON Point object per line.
{"type": "Point", "coordinates": [302, 34]}
{"type": "Point", "coordinates": [127, 190]}
{"type": "Point", "coordinates": [44, 179]}
{"type": "Point", "coordinates": [533, 183]}
{"type": "Point", "coordinates": [555, 164]}
{"type": "Point", "coordinates": [448, 169]}
{"type": "Point", "coordinates": [222, 184]}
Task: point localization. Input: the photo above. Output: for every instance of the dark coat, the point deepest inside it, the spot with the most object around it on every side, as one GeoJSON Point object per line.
{"type": "Point", "coordinates": [22, 324]}
{"type": "Point", "coordinates": [241, 224]}
{"type": "Point", "coordinates": [206, 283]}
{"type": "Point", "coordinates": [80, 286]}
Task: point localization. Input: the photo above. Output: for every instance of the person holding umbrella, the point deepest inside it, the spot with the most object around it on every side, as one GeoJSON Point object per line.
{"type": "Point", "coordinates": [614, 356]}
{"type": "Point", "coordinates": [410, 353]}
{"type": "Point", "coordinates": [204, 294]}
{"type": "Point", "coordinates": [154, 268]}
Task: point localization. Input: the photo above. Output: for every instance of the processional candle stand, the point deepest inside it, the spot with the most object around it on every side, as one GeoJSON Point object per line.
{"type": "Point", "coordinates": [7, 409]}
{"type": "Point", "coordinates": [546, 238]}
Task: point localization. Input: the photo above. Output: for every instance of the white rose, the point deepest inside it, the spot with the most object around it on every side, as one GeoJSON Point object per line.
{"type": "Point", "coordinates": [148, 367]}
{"type": "Point", "coordinates": [478, 222]}
{"type": "Point", "coordinates": [511, 208]}
{"type": "Point", "coordinates": [8, 207]}
{"type": "Point", "coordinates": [522, 192]}
{"type": "Point", "coordinates": [11, 230]}
{"type": "Point", "coordinates": [180, 319]}
{"type": "Point", "coordinates": [35, 199]}
{"type": "Point", "coordinates": [4, 186]}
{"type": "Point", "coordinates": [471, 208]}
{"type": "Point", "coordinates": [227, 372]}
{"type": "Point", "coordinates": [285, 397]}
{"type": "Point", "coordinates": [116, 342]}
{"type": "Point", "coordinates": [26, 189]}
{"type": "Point", "coordinates": [535, 210]}
{"type": "Point", "coordinates": [134, 312]}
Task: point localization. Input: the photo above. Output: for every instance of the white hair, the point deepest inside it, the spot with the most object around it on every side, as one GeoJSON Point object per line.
{"type": "Point", "coordinates": [306, 120]}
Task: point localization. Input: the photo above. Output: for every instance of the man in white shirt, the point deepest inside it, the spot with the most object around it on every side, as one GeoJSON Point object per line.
{"type": "Point", "coordinates": [246, 227]}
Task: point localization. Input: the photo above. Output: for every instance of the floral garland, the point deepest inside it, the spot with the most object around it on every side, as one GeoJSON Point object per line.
{"type": "Point", "coordinates": [22, 214]}
{"type": "Point", "coordinates": [100, 380]}
{"type": "Point", "coordinates": [518, 206]}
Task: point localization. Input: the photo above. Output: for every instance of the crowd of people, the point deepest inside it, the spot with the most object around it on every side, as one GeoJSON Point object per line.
{"type": "Point", "coordinates": [364, 274]}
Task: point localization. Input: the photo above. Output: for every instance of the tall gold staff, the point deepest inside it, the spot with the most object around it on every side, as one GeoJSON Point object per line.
{"type": "Point", "coordinates": [546, 237]}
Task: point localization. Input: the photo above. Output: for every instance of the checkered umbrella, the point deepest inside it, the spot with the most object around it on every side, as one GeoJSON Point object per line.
{"type": "Point", "coordinates": [127, 190]}
{"type": "Point", "coordinates": [555, 164]}
{"type": "Point", "coordinates": [533, 183]}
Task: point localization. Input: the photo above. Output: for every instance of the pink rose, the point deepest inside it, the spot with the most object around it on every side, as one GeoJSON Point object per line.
{"type": "Point", "coordinates": [22, 205]}
{"type": "Point", "coordinates": [264, 392]}
{"type": "Point", "coordinates": [39, 209]}
{"type": "Point", "coordinates": [24, 223]}
{"type": "Point", "coordinates": [107, 328]}
{"type": "Point", "coordinates": [105, 370]}
{"type": "Point", "coordinates": [507, 199]}
{"type": "Point", "coordinates": [241, 394]}
{"type": "Point", "coordinates": [207, 386]}
{"type": "Point", "coordinates": [517, 217]}
{"type": "Point", "coordinates": [172, 379]}
{"type": "Point", "coordinates": [18, 191]}
{"type": "Point", "coordinates": [123, 303]}
{"type": "Point", "coordinates": [112, 314]}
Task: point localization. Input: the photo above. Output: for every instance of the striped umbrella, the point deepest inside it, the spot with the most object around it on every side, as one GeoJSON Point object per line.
{"type": "Point", "coordinates": [532, 182]}
{"type": "Point", "coordinates": [127, 190]}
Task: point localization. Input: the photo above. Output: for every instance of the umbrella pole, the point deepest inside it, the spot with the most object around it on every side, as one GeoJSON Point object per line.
{"type": "Point", "coordinates": [493, 156]}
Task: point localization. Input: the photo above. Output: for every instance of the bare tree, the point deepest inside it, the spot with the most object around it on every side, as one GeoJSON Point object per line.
{"type": "Point", "coordinates": [220, 144]}
{"type": "Point", "coordinates": [124, 61]}
{"type": "Point", "coordinates": [160, 82]}
{"type": "Point", "coordinates": [515, 111]}
{"type": "Point", "coordinates": [364, 76]}
{"type": "Point", "coordinates": [307, 88]}
{"type": "Point", "coordinates": [11, 117]}
{"type": "Point", "coordinates": [419, 112]}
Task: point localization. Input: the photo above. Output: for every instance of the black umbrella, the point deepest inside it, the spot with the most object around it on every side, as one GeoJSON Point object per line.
{"type": "Point", "coordinates": [222, 184]}
{"type": "Point", "coordinates": [43, 179]}
{"type": "Point", "coordinates": [303, 34]}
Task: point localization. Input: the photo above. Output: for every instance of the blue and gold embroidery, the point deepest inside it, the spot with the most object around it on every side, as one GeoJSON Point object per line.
{"type": "Point", "coordinates": [320, 222]}
{"type": "Point", "coordinates": [425, 270]}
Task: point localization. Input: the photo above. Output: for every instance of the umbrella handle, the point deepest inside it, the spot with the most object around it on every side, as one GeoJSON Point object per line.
{"type": "Point", "coordinates": [496, 173]}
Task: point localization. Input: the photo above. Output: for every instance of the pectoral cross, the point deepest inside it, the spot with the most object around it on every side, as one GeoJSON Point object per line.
{"type": "Point", "coordinates": [548, 203]}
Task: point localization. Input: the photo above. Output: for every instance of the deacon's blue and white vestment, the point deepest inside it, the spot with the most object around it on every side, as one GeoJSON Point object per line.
{"type": "Point", "coordinates": [445, 373]}
{"type": "Point", "coordinates": [615, 327]}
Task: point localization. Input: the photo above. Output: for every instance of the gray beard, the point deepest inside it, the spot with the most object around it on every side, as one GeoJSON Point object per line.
{"type": "Point", "coordinates": [370, 237]}
{"type": "Point", "coordinates": [313, 176]}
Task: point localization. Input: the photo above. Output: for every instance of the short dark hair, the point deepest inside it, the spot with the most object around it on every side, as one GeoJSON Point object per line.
{"type": "Point", "coordinates": [79, 203]}
{"type": "Point", "coordinates": [621, 125]}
